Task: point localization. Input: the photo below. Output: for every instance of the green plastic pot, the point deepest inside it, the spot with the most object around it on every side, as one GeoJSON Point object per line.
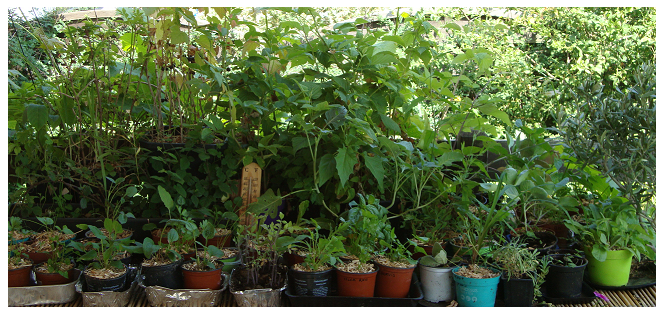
{"type": "Point", "coordinates": [614, 271]}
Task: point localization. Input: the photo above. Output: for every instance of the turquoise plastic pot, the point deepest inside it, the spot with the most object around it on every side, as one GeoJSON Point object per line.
{"type": "Point", "coordinates": [614, 271]}
{"type": "Point", "coordinates": [476, 292]}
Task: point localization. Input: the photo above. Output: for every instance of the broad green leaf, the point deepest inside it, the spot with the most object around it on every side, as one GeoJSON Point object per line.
{"type": "Point", "coordinates": [459, 59]}
{"type": "Point", "coordinates": [492, 110]}
{"type": "Point", "coordinates": [36, 114]}
{"type": "Point", "coordinates": [268, 203]}
{"type": "Point", "coordinates": [345, 160]}
{"type": "Point", "coordinates": [172, 235]}
{"type": "Point", "coordinates": [394, 38]}
{"type": "Point", "coordinates": [178, 36]}
{"type": "Point", "coordinates": [389, 123]}
{"type": "Point", "coordinates": [165, 197]}
{"type": "Point", "coordinates": [299, 143]}
{"type": "Point", "coordinates": [384, 46]}
{"type": "Point", "coordinates": [452, 26]}
{"type": "Point", "coordinates": [375, 165]}
{"type": "Point", "coordinates": [450, 157]}
{"type": "Point", "coordinates": [326, 168]}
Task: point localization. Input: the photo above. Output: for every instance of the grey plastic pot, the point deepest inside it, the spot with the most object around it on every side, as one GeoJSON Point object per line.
{"type": "Point", "coordinates": [437, 284]}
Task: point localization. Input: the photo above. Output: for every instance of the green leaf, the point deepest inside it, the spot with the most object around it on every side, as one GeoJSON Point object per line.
{"type": "Point", "coordinates": [37, 115]}
{"type": "Point", "coordinates": [393, 38]}
{"type": "Point", "coordinates": [326, 169]}
{"type": "Point", "coordinates": [299, 143]}
{"type": "Point", "coordinates": [165, 198]}
{"type": "Point", "coordinates": [178, 36]}
{"type": "Point", "coordinates": [389, 123]}
{"type": "Point", "coordinates": [450, 157]}
{"type": "Point", "coordinates": [375, 165]}
{"type": "Point", "coordinates": [452, 26]}
{"type": "Point", "coordinates": [131, 191]}
{"type": "Point", "coordinates": [172, 235]}
{"type": "Point", "coordinates": [599, 252]}
{"type": "Point", "coordinates": [267, 203]}
{"type": "Point", "coordinates": [345, 160]}
{"type": "Point", "coordinates": [459, 59]}
{"type": "Point", "coordinates": [492, 110]}
{"type": "Point", "coordinates": [384, 46]}
{"type": "Point", "coordinates": [97, 233]}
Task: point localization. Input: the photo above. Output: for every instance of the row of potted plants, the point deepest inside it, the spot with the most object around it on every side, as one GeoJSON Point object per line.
{"type": "Point", "coordinates": [359, 257]}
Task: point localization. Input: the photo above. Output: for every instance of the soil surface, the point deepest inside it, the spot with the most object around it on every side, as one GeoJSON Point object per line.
{"type": "Point", "coordinates": [398, 264]}
{"type": "Point", "coordinates": [41, 242]}
{"type": "Point", "coordinates": [43, 268]}
{"type": "Point", "coordinates": [356, 266]}
{"type": "Point", "coordinates": [105, 273]}
{"type": "Point", "coordinates": [476, 272]}
{"type": "Point", "coordinates": [15, 235]}
{"type": "Point", "coordinates": [192, 266]}
{"type": "Point", "coordinates": [155, 262]}
{"type": "Point", "coordinates": [299, 267]}
{"type": "Point", "coordinates": [14, 264]}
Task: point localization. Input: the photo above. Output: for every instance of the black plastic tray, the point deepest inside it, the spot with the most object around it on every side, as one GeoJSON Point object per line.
{"type": "Point", "coordinates": [644, 276]}
{"type": "Point", "coordinates": [414, 295]}
{"type": "Point", "coordinates": [587, 296]}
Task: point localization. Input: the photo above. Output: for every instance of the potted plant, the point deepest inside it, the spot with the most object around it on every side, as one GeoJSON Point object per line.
{"type": "Point", "coordinates": [367, 224]}
{"type": "Point", "coordinates": [436, 276]}
{"type": "Point", "coordinates": [106, 272]}
{"type": "Point", "coordinates": [612, 234]}
{"type": "Point", "coordinates": [519, 265]}
{"type": "Point", "coordinates": [262, 277]}
{"type": "Point", "coordinates": [565, 274]}
{"type": "Point", "coordinates": [476, 284]}
{"type": "Point", "coordinates": [58, 268]}
{"type": "Point", "coordinates": [223, 230]}
{"type": "Point", "coordinates": [204, 271]}
{"type": "Point", "coordinates": [19, 267]}
{"type": "Point", "coordinates": [395, 268]}
{"type": "Point", "coordinates": [314, 275]}
{"type": "Point", "coordinates": [40, 245]}
{"type": "Point", "coordinates": [161, 265]}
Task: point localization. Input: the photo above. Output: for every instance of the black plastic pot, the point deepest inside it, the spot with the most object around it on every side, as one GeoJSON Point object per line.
{"type": "Point", "coordinates": [112, 285]}
{"type": "Point", "coordinates": [168, 276]}
{"type": "Point", "coordinates": [312, 283]}
{"type": "Point", "coordinates": [517, 292]}
{"type": "Point", "coordinates": [565, 281]}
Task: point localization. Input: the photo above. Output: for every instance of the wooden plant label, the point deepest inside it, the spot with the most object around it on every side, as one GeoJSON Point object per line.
{"type": "Point", "coordinates": [250, 191]}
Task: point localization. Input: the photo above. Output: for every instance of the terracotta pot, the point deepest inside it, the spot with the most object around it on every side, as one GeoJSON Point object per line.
{"type": "Point", "coordinates": [19, 277]}
{"type": "Point", "coordinates": [54, 278]}
{"type": "Point", "coordinates": [293, 259]}
{"type": "Point", "coordinates": [202, 279]}
{"type": "Point", "coordinates": [218, 241]}
{"type": "Point", "coordinates": [39, 257]}
{"type": "Point", "coordinates": [393, 282]}
{"type": "Point", "coordinates": [356, 284]}
{"type": "Point", "coordinates": [157, 237]}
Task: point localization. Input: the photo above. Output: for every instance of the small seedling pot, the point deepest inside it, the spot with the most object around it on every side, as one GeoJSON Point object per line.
{"type": "Point", "coordinates": [19, 277]}
{"type": "Point", "coordinates": [211, 280]}
{"type": "Point", "coordinates": [393, 282]}
{"type": "Point", "coordinates": [356, 284]}
{"type": "Point", "coordinates": [168, 275]}
{"type": "Point", "coordinates": [116, 284]}
{"type": "Point", "coordinates": [317, 283]}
